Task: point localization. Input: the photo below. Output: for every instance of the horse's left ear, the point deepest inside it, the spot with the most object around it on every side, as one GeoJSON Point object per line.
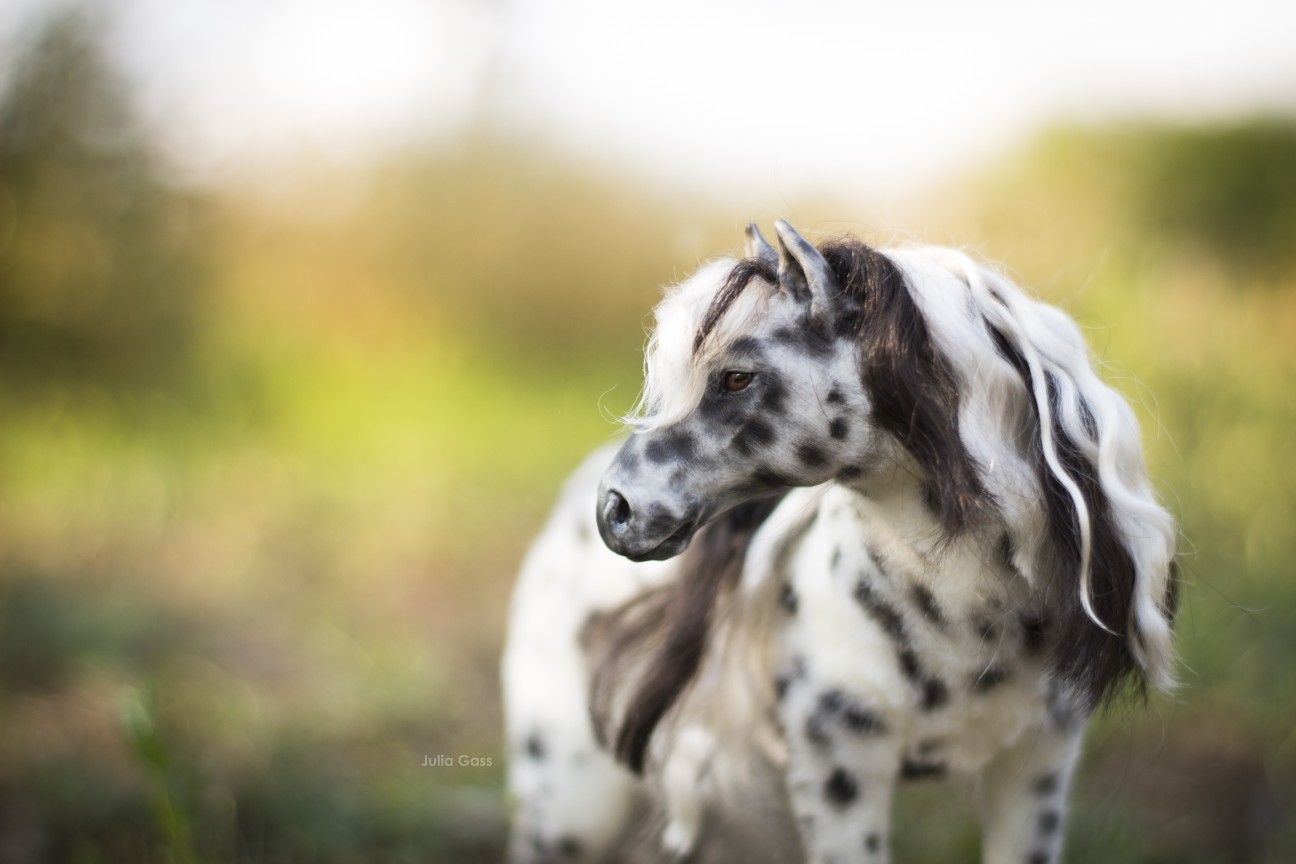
{"type": "Point", "coordinates": [802, 271]}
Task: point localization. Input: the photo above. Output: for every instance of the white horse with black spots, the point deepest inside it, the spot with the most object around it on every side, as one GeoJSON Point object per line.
{"type": "Point", "coordinates": [923, 545]}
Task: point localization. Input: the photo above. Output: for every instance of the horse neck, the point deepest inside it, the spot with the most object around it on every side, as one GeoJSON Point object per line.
{"type": "Point", "coordinates": [894, 504]}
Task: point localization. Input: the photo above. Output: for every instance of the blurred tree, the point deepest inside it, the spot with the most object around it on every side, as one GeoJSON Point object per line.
{"type": "Point", "coordinates": [96, 280]}
{"type": "Point", "coordinates": [1230, 190]}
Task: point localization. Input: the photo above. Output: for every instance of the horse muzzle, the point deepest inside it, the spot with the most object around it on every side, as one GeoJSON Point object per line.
{"type": "Point", "coordinates": [643, 532]}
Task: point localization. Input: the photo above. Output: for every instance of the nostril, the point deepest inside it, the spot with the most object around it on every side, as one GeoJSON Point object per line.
{"type": "Point", "coordinates": [616, 510]}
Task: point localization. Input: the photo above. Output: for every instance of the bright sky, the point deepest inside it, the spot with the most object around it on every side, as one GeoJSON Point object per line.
{"type": "Point", "coordinates": [725, 96]}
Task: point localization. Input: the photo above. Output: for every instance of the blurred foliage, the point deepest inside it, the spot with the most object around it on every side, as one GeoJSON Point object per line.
{"type": "Point", "coordinates": [272, 452]}
{"type": "Point", "coordinates": [1230, 189]}
{"type": "Point", "coordinates": [97, 279]}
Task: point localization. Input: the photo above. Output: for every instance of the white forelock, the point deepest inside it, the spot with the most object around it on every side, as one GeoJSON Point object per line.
{"type": "Point", "coordinates": [674, 377]}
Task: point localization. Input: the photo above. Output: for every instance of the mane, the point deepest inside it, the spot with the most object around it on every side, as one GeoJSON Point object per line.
{"type": "Point", "coordinates": [658, 640]}
{"type": "Point", "coordinates": [1084, 525]}
{"type": "Point", "coordinates": [994, 396]}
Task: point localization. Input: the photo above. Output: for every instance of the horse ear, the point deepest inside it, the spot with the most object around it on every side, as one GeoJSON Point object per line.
{"type": "Point", "coordinates": [758, 247]}
{"type": "Point", "coordinates": [802, 271]}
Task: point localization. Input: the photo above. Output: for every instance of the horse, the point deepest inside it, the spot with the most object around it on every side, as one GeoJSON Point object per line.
{"type": "Point", "coordinates": [877, 521]}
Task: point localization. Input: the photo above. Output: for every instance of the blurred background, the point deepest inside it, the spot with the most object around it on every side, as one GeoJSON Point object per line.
{"type": "Point", "coordinates": [306, 308]}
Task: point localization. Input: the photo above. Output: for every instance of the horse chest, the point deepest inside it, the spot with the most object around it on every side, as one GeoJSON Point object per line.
{"type": "Point", "coordinates": [935, 651]}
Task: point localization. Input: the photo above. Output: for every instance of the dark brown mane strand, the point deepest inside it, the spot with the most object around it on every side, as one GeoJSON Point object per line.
{"type": "Point", "coordinates": [735, 283]}
{"type": "Point", "coordinates": [655, 642]}
{"type": "Point", "coordinates": [914, 391]}
{"type": "Point", "coordinates": [1090, 662]}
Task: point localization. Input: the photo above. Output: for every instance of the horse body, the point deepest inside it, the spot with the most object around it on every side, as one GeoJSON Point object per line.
{"type": "Point", "coordinates": [969, 561]}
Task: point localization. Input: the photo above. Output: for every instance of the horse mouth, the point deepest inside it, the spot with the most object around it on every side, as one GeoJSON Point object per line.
{"type": "Point", "coordinates": [674, 544]}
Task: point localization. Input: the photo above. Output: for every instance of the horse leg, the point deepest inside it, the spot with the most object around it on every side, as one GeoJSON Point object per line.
{"type": "Point", "coordinates": [841, 776]}
{"type": "Point", "coordinates": [1023, 795]}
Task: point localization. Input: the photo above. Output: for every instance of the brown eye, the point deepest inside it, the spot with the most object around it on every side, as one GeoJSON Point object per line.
{"type": "Point", "coordinates": [735, 381]}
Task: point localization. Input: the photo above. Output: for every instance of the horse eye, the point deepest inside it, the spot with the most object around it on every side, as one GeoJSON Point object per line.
{"type": "Point", "coordinates": [735, 381]}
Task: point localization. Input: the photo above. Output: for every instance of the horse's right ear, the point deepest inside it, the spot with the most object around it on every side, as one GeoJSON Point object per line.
{"type": "Point", "coordinates": [803, 272]}
{"type": "Point", "coordinates": [759, 248]}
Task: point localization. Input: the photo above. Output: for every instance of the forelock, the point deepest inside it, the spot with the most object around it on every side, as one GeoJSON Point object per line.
{"type": "Point", "coordinates": [694, 323]}
{"type": "Point", "coordinates": [734, 284]}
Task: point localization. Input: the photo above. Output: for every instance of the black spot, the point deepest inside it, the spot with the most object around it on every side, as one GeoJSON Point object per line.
{"type": "Point", "coordinates": [886, 615]}
{"type": "Point", "coordinates": [927, 746]}
{"type": "Point", "coordinates": [831, 701]}
{"type": "Point", "coordinates": [839, 428]}
{"type": "Point", "coordinates": [909, 664]}
{"type": "Point", "coordinates": [774, 396]}
{"type": "Point", "coordinates": [913, 770]}
{"type": "Point", "coordinates": [1038, 858]}
{"type": "Point", "coordinates": [816, 730]}
{"type": "Point", "coordinates": [855, 717]}
{"type": "Point", "coordinates": [1045, 785]}
{"type": "Point", "coordinates": [872, 844]}
{"type": "Point", "coordinates": [748, 345]}
{"type": "Point", "coordinates": [834, 397]}
{"type": "Point", "coordinates": [788, 598]}
{"type": "Point", "coordinates": [934, 694]}
{"type": "Point", "coordinates": [673, 446]}
{"type": "Point", "coordinates": [659, 520]}
{"type": "Point", "coordinates": [989, 679]}
{"type": "Point", "coordinates": [927, 605]}
{"type": "Point", "coordinates": [840, 788]}
{"type": "Point", "coordinates": [987, 628]}
{"type": "Point", "coordinates": [535, 746]}
{"type": "Point", "coordinates": [808, 340]}
{"type": "Point", "coordinates": [876, 563]}
{"type": "Point", "coordinates": [721, 409]}
{"type": "Point", "coordinates": [781, 685]}
{"type": "Point", "coordinates": [836, 558]}
{"type": "Point", "coordinates": [754, 435]}
{"type": "Point", "coordinates": [1034, 633]}
{"type": "Point", "coordinates": [850, 472]}
{"type": "Point", "coordinates": [811, 455]}
{"type": "Point", "coordinates": [862, 721]}
{"type": "Point", "coordinates": [1049, 820]}
{"type": "Point", "coordinates": [569, 847]}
